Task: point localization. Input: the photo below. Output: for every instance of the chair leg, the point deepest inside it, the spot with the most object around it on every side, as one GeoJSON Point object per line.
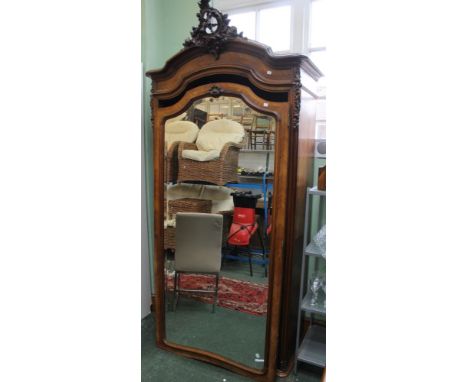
{"type": "Point", "coordinates": [250, 260]}
{"type": "Point", "coordinates": [176, 288]}
{"type": "Point", "coordinates": [216, 293]}
{"type": "Point", "coordinates": [174, 292]}
{"type": "Point", "coordinates": [263, 252]}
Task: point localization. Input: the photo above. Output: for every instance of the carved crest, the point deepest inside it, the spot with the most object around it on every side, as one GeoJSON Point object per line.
{"type": "Point", "coordinates": [213, 30]}
{"type": "Point", "coordinates": [216, 91]}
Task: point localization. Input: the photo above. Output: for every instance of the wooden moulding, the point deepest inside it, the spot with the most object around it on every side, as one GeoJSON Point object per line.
{"type": "Point", "coordinates": [250, 56]}
{"type": "Point", "coordinates": [300, 169]}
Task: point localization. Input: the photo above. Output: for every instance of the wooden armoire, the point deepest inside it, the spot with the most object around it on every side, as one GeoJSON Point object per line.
{"type": "Point", "coordinates": [218, 61]}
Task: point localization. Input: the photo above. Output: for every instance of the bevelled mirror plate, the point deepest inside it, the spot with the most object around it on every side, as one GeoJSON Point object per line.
{"type": "Point", "coordinates": [218, 188]}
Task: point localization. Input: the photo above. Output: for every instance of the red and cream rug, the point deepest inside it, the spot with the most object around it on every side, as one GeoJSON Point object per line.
{"type": "Point", "coordinates": [243, 296]}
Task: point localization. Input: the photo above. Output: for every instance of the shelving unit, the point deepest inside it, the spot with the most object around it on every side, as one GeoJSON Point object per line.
{"type": "Point", "coordinates": [264, 185]}
{"type": "Point", "coordinates": [312, 349]}
{"type": "Point", "coordinates": [255, 177]}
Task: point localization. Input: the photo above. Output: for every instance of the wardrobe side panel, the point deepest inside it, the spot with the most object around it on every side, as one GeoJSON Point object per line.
{"type": "Point", "coordinates": [302, 178]}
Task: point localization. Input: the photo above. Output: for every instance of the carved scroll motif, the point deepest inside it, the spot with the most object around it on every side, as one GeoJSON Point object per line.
{"type": "Point", "coordinates": [213, 30]}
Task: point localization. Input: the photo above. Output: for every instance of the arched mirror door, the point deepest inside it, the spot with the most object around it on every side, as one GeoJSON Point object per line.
{"type": "Point", "coordinates": [215, 199]}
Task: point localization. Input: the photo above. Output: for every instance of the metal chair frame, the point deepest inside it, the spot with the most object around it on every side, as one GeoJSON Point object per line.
{"type": "Point", "coordinates": [177, 288]}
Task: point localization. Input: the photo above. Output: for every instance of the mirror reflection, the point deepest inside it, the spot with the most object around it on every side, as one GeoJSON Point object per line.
{"type": "Point", "coordinates": [219, 171]}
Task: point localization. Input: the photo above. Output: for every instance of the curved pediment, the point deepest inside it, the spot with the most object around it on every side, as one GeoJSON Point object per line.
{"type": "Point", "coordinates": [215, 37]}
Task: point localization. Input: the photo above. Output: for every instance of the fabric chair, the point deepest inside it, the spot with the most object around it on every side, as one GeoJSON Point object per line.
{"type": "Point", "coordinates": [174, 133]}
{"type": "Point", "coordinates": [198, 249]}
{"type": "Point", "coordinates": [214, 157]}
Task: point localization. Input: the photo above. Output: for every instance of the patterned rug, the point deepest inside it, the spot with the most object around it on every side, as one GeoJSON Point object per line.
{"type": "Point", "coordinates": [243, 296]}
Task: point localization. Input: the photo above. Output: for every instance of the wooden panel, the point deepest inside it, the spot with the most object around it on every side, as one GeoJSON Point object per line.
{"type": "Point", "coordinates": [229, 62]}
{"type": "Point", "coordinates": [301, 172]}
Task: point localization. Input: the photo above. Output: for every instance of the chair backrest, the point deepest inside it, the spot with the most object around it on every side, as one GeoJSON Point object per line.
{"type": "Point", "coordinates": [180, 131]}
{"type": "Point", "coordinates": [198, 242]}
{"type": "Point", "coordinates": [215, 134]}
{"type": "Point", "coordinates": [247, 121]}
{"type": "Point", "coordinates": [263, 122]}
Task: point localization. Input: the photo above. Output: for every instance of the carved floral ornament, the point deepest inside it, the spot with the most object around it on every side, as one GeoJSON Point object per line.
{"type": "Point", "coordinates": [297, 85]}
{"type": "Point", "coordinates": [213, 30]}
{"type": "Point", "coordinates": [216, 91]}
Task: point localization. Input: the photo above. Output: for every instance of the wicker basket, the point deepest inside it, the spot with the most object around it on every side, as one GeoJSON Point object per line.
{"type": "Point", "coordinates": [218, 171]}
{"type": "Point", "coordinates": [183, 205]}
{"type": "Point", "coordinates": [171, 165]}
{"type": "Point", "coordinates": [189, 205]}
{"type": "Point", "coordinates": [169, 238]}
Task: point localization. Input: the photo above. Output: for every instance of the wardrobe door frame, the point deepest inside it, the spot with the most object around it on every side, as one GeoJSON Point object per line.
{"type": "Point", "coordinates": [281, 111]}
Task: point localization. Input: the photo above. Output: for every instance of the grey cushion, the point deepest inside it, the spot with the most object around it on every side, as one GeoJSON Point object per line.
{"type": "Point", "coordinates": [198, 242]}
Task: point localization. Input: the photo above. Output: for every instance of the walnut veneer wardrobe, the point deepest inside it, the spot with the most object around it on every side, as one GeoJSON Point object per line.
{"type": "Point", "coordinates": [218, 62]}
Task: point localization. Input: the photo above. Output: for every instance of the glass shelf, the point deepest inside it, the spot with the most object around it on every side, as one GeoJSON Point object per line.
{"type": "Point", "coordinates": [312, 250]}
{"type": "Point", "coordinates": [316, 191]}
{"type": "Point", "coordinates": [255, 177]}
{"type": "Point", "coordinates": [316, 309]}
{"type": "Point", "coordinates": [313, 349]}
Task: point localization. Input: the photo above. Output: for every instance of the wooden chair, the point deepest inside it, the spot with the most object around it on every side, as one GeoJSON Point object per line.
{"type": "Point", "coordinates": [261, 133]}
{"type": "Point", "coordinates": [247, 121]}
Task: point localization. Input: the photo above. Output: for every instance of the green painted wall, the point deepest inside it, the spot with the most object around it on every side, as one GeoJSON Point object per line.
{"type": "Point", "coordinates": [165, 24]}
